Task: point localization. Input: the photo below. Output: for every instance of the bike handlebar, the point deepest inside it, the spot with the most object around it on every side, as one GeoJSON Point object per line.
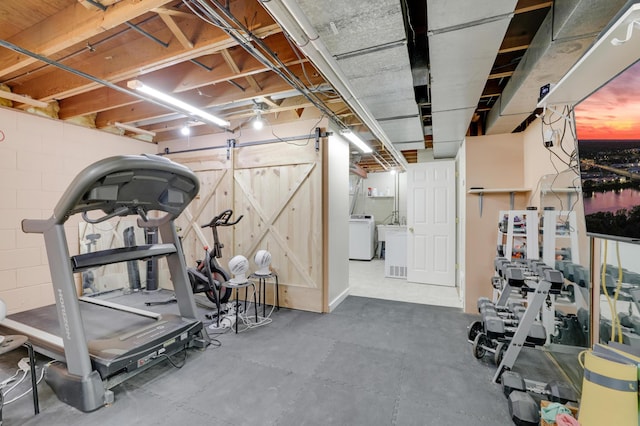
{"type": "Point", "coordinates": [222, 220]}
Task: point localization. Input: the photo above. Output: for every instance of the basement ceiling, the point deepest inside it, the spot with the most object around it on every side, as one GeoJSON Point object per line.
{"type": "Point", "coordinates": [406, 75]}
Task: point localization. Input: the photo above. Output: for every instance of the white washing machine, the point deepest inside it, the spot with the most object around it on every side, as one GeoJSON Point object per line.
{"type": "Point", "coordinates": [361, 237]}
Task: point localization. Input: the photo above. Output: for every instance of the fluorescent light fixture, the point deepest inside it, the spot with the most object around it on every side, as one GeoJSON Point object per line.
{"type": "Point", "coordinates": [205, 116]}
{"type": "Point", "coordinates": [357, 141]}
{"type": "Point", "coordinates": [134, 129]}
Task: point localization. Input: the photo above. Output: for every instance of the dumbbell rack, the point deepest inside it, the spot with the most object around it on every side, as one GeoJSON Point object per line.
{"type": "Point", "coordinates": [557, 226]}
{"type": "Point", "coordinates": [541, 289]}
{"type": "Point", "coordinates": [513, 277]}
{"type": "Point", "coordinates": [521, 227]}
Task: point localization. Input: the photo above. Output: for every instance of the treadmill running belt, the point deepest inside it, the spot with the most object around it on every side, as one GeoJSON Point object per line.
{"type": "Point", "coordinates": [116, 339]}
{"type": "Point", "coordinates": [98, 322]}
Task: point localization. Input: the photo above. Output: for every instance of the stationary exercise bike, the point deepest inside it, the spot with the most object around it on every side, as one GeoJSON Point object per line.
{"type": "Point", "coordinates": [209, 276]}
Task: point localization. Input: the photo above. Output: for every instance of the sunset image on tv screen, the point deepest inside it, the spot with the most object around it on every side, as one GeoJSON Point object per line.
{"type": "Point", "coordinates": [608, 132]}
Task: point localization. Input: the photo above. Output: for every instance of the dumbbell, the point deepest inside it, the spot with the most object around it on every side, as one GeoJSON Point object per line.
{"type": "Point", "coordinates": [514, 311]}
{"type": "Point", "coordinates": [485, 301]}
{"type": "Point", "coordinates": [630, 321]}
{"type": "Point", "coordinates": [495, 326]}
{"type": "Point", "coordinates": [555, 278]}
{"type": "Point", "coordinates": [496, 282]}
{"type": "Point", "coordinates": [554, 391]}
{"type": "Point", "coordinates": [523, 408]}
{"type": "Point", "coordinates": [512, 318]}
{"type": "Point", "coordinates": [514, 276]}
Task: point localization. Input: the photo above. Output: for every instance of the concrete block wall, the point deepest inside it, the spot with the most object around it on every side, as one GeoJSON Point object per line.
{"type": "Point", "coordinates": [39, 157]}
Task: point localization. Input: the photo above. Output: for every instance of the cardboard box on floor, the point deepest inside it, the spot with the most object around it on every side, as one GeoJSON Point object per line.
{"type": "Point", "coordinates": [544, 403]}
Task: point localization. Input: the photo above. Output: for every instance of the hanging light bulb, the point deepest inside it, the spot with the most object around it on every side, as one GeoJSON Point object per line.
{"type": "Point", "coordinates": [258, 122]}
{"type": "Point", "coordinates": [185, 130]}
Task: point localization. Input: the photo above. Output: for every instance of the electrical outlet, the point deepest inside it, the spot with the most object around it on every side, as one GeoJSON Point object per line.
{"type": "Point", "coordinates": [23, 364]}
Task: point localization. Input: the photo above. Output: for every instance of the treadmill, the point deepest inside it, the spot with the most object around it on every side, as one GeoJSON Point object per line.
{"type": "Point", "coordinates": [97, 344]}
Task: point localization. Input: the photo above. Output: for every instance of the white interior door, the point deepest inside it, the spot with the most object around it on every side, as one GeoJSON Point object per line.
{"type": "Point", "coordinates": [431, 223]}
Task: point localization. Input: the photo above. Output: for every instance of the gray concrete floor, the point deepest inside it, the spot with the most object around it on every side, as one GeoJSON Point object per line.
{"type": "Point", "coordinates": [370, 362]}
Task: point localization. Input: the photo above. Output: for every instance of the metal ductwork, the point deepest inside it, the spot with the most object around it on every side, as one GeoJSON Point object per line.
{"type": "Point", "coordinates": [372, 73]}
{"type": "Point", "coordinates": [568, 30]}
{"type": "Point", "coordinates": [463, 41]}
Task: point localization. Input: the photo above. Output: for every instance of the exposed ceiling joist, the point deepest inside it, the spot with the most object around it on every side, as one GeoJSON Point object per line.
{"type": "Point", "coordinates": [175, 29]}
{"type": "Point", "coordinates": [389, 78]}
{"type": "Point", "coordinates": [71, 26]}
{"type": "Point", "coordinates": [23, 99]}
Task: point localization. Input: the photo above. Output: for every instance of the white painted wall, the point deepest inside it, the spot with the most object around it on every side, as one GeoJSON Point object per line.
{"type": "Point", "coordinates": [338, 219]}
{"type": "Point", "coordinates": [39, 157]}
{"type": "Point", "coordinates": [382, 206]}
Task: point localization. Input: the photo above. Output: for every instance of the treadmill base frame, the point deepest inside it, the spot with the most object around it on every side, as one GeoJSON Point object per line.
{"type": "Point", "coordinates": [84, 393]}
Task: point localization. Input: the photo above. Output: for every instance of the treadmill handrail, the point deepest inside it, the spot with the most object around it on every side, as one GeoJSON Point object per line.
{"type": "Point", "coordinates": [124, 184]}
{"type": "Point", "coordinates": [116, 186]}
{"type": "Point", "coordinates": [119, 307]}
{"type": "Point", "coordinates": [94, 259]}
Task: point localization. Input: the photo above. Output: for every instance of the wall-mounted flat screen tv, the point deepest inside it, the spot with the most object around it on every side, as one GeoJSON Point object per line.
{"type": "Point", "coordinates": [607, 126]}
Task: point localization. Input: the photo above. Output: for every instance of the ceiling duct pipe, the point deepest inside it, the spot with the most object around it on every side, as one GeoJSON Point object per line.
{"type": "Point", "coordinates": [289, 15]}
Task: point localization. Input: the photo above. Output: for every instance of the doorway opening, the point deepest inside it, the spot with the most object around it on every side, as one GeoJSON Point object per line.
{"type": "Point", "coordinates": [367, 279]}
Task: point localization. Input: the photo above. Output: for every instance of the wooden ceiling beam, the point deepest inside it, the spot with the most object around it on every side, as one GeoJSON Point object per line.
{"type": "Point", "coordinates": [236, 69]}
{"type": "Point", "coordinates": [220, 95]}
{"type": "Point", "coordinates": [23, 99]}
{"type": "Point", "coordinates": [498, 75]}
{"type": "Point", "coordinates": [91, 5]}
{"type": "Point", "coordinates": [253, 83]}
{"type": "Point", "coordinates": [510, 49]}
{"type": "Point", "coordinates": [239, 113]}
{"type": "Point", "coordinates": [175, 29]}
{"type": "Point", "coordinates": [489, 95]}
{"type": "Point", "coordinates": [267, 100]}
{"type": "Point", "coordinates": [171, 129]}
{"type": "Point", "coordinates": [114, 65]}
{"type": "Point", "coordinates": [70, 26]}
{"type": "Point", "coordinates": [102, 98]}
{"type": "Point", "coordinates": [197, 77]}
{"type": "Point", "coordinates": [173, 12]}
{"type": "Point", "coordinates": [535, 5]}
{"type": "Point", "coordinates": [176, 79]}
{"type": "Point", "coordinates": [229, 61]}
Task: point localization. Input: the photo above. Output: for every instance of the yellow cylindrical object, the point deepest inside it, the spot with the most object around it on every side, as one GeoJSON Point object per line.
{"type": "Point", "coordinates": [609, 392]}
